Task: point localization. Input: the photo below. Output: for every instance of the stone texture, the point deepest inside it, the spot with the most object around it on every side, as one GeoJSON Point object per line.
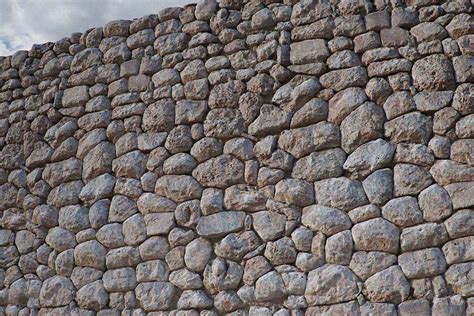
{"type": "Point", "coordinates": [243, 158]}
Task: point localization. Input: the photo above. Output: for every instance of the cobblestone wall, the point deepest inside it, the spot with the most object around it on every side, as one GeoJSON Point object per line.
{"type": "Point", "coordinates": [246, 157]}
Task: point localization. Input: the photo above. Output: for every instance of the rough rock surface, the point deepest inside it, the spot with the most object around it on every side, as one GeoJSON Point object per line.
{"type": "Point", "coordinates": [238, 157]}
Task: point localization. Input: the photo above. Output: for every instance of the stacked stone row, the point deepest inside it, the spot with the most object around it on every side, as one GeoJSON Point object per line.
{"type": "Point", "coordinates": [243, 158]}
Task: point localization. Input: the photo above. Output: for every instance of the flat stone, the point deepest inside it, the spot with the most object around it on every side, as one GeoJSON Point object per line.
{"type": "Point", "coordinates": [302, 141]}
{"type": "Point", "coordinates": [220, 224]}
{"type": "Point", "coordinates": [178, 188]}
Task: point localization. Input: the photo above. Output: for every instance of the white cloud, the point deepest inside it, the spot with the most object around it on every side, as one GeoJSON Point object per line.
{"type": "Point", "coordinates": [27, 22]}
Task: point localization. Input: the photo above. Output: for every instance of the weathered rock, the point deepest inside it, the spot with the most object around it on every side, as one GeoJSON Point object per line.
{"type": "Point", "coordinates": [389, 285]}
{"type": "Point", "coordinates": [325, 219]}
{"type": "Point", "coordinates": [412, 127]}
{"type": "Point", "coordinates": [56, 291]}
{"type": "Point", "coordinates": [459, 250]}
{"type": "Point", "coordinates": [331, 284]}
{"type": "Point", "coordinates": [220, 224]}
{"type": "Point", "coordinates": [378, 186]}
{"type": "Point", "coordinates": [404, 176]}
{"type": "Point", "coordinates": [220, 172]}
{"type": "Point", "coordinates": [117, 280]}
{"type": "Point", "coordinates": [369, 157]}
{"type": "Point", "coordinates": [154, 296]}
{"type": "Point", "coordinates": [270, 287]}
{"type": "Point", "coordinates": [434, 72]}
{"type": "Point", "coordinates": [362, 125]}
{"type": "Point", "coordinates": [365, 264]}
{"type": "Point", "coordinates": [92, 296]}
{"type": "Point", "coordinates": [403, 211]}
{"type": "Point", "coordinates": [458, 276]}
{"type": "Point", "coordinates": [423, 236]}
{"type": "Point", "coordinates": [269, 225]}
{"type": "Point", "coordinates": [292, 191]}
{"type": "Point", "coordinates": [178, 188]}
{"type": "Point", "coordinates": [376, 235]}
{"type": "Point", "coordinates": [341, 193]}
{"type": "Point", "coordinates": [422, 263]}
{"type": "Point", "coordinates": [320, 165]}
{"type": "Point", "coordinates": [319, 136]}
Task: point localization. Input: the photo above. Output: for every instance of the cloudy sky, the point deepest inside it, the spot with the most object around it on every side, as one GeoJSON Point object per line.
{"type": "Point", "coordinates": [27, 22]}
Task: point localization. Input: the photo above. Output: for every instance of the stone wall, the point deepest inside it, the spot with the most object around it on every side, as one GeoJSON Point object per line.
{"type": "Point", "coordinates": [247, 157]}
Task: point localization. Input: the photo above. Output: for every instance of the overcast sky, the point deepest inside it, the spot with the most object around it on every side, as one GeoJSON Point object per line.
{"type": "Point", "coordinates": [27, 22]}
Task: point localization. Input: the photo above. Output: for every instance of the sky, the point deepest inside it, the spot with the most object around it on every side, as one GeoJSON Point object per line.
{"type": "Point", "coordinates": [27, 22]}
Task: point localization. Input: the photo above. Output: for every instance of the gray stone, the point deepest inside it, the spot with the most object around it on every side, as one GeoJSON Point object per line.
{"type": "Point", "coordinates": [220, 224]}
{"type": "Point", "coordinates": [403, 211]}
{"type": "Point", "coordinates": [220, 172]}
{"type": "Point", "coordinates": [412, 127]}
{"type": "Point", "coordinates": [410, 179]}
{"type": "Point", "coordinates": [365, 264]}
{"type": "Point", "coordinates": [92, 296]}
{"type": "Point", "coordinates": [369, 157]}
{"type": "Point", "coordinates": [376, 235]}
{"type": "Point", "coordinates": [423, 236]}
{"type": "Point", "coordinates": [325, 219]}
{"type": "Point", "coordinates": [292, 191]}
{"type": "Point", "coordinates": [302, 141]}
{"type": "Point", "coordinates": [378, 186]}
{"type": "Point", "coordinates": [458, 276]}
{"type": "Point", "coordinates": [56, 291]}
{"type": "Point", "coordinates": [178, 188]}
{"type": "Point", "coordinates": [389, 285]}
{"type": "Point", "coordinates": [341, 193]}
{"type": "Point", "coordinates": [269, 225]}
{"type": "Point", "coordinates": [422, 263]}
{"type": "Point", "coordinates": [320, 165]}
{"type": "Point", "coordinates": [154, 296]}
{"type": "Point", "coordinates": [459, 250]}
{"type": "Point", "coordinates": [363, 124]}
{"type": "Point", "coordinates": [270, 287]}
{"type": "Point", "coordinates": [331, 284]}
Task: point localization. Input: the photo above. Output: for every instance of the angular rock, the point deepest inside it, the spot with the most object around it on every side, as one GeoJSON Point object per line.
{"type": "Point", "coordinates": [369, 157]}
{"type": "Point", "coordinates": [362, 125]}
{"type": "Point", "coordinates": [410, 179]}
